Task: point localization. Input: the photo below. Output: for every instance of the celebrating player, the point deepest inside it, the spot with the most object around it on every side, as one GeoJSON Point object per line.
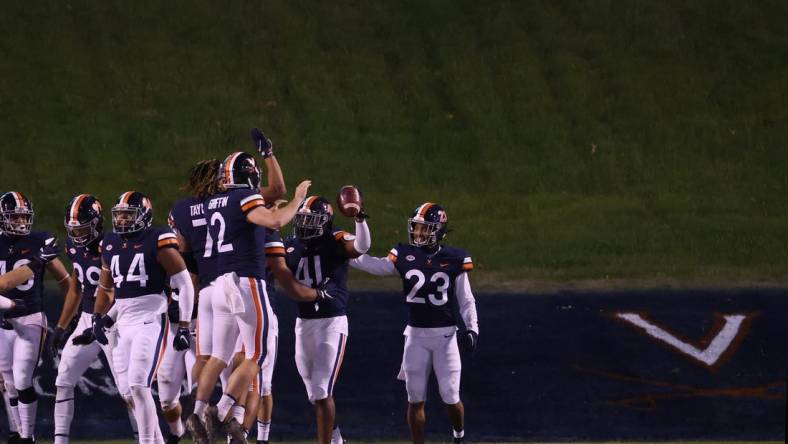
{"type": "Point", "coordinates": [435, 282]}
{"type": "Point", "coordinates": [24, 254]}
{"type": "Point", "coordinates": [84, 225]}
{"type": "Point", "coordinates": [136, 260]}
{"type": "Point", "coordinates": [318, 256]}
{"type": "Point", "coordinates": [233, 217]}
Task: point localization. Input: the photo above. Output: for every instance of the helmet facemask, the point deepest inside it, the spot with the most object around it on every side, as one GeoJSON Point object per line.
{"type": "Point", "coordinates": [422, 233]}
{"type": "Point", "coordinates": [309, 225]}
{"type": "Point", "coordinates": [127, 219]}
{"type": "Point", "coordinates": [83, 234]}
{"type": "Point", "coordinates": [17, 222]}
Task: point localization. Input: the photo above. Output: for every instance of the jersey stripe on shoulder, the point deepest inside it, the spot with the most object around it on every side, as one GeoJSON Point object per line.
{"type": "Point", "coordinates": [393, 255]}
{"type": "Point", "coordinates": [167, 239]}
{"type": "Point", "coordinates": [251, 202]}
{"type": "Point", "coordinates": [467, 264]}
{"type": "Point", "coordinates": [340, 234]}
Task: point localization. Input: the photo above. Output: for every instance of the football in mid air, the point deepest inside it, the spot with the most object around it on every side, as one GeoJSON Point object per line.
{"type": "Point", "coordinates": [349, 201]}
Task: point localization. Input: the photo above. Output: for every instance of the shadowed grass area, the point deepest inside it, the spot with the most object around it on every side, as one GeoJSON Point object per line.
{"type": "Point", "coordinates": [567, 140]}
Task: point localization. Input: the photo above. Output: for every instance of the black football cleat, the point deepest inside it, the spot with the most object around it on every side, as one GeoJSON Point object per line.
{"type": "Point", "coordinates": [172, 439]}
{"type": "Point", "coordinates": [13, 438]}
{"type": "Point", "coordinates": [459, 440]}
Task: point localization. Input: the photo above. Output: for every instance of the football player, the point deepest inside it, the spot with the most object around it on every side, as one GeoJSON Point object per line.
{"type": "Point", "coordinates": [435, 283]}
{"type": "Point", "coordinates": [318, 257]}
{"type": "Point", "coordinates": [187, 219]}
{"type": "Point", "coordinates": [24, 255]}
{"type": "Point", "coordinates": [136, 260]}
{"type": "Point", "coordinates": [233, 217]}
{"type": "Point", "coordinates": [84, 226]}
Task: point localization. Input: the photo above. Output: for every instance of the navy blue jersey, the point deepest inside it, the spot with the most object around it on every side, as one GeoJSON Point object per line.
{"type": "Point", "coordinates": [16, 251]}
{"type": "Point", "coordinates": [133, 263]}
{"type": "Point", "coordinates": [87, 268]}
{"type": "Point", "coordinates": [429, 283]}
{"type": "Point", "coordinates": [238, 243]}
{"type": "Point", "coordinates": [187, 217]}
{"type": "Point", "coordinates": [321, 261]}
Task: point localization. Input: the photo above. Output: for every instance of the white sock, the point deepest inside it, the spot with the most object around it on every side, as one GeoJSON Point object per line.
{"type": "Point", "coordinates": [11, 412]}
{"type": "Point", "coordinates": [460, 434]}
{"type": "Point", "coordinates": [238, 412]}
{"type": "Point", "coordinates": [336, 436]}
{"type": "Point", "coordinates": [27, 418]}
{"type": "Point", "coordinates": [263, 429]}
{"type": "Point", "coordinates": [224, 405]}
{"type": "Point", "coordinates": [145, 413]}
{"type": "Point", "coordinates": [64, 413]}
{"type": "Point", "coordinates": [132, 420]}
{"type": "Point", "coordinates": [199, 409]}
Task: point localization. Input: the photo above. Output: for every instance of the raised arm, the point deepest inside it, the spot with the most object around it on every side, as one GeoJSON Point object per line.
{"type": "Point", "coordinates": [276, 181]}
{"type": "Point", "coordinates": [277, 219]}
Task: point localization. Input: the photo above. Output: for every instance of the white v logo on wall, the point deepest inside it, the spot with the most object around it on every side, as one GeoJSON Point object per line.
{"type": "Point", "coordinates": [722, 341]}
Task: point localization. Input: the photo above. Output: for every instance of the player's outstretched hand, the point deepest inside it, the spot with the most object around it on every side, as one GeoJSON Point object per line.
{"type": "Point", "coordinates": [46, 254]}
{"type": "Point", "coordinates": [469, 341]}
{"type": "Point", "coordinates": [84, 338]}
{"type": "Point", "coordinates": [262, 143]}
{"type": "Point", "coordinates": [183, 339]}
{"type": "Point", "coordinates": [99, 323]}
{"type": "Point", "coordinates": [301, 190]}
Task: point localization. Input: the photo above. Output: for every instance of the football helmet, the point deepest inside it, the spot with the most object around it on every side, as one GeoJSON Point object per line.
{"type": "Point", "coordinates": [16, 214]}
{"type": "Point", "coordinates": [239, 170]}
{"type": "Point", "coordinates": [428, 225]}
{"type": "Point", "coordinates": [313, 218]}
{"type": "Point", "coordinates": [83, 221]}
{"type": "Point", "coordinates": [132, 213]}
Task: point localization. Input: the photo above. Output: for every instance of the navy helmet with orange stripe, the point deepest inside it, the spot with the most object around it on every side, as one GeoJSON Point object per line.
{"type": "Point", "coordinates": [428, 225]}
{"type": "Point", "coordinates": [83, 221]}
{"type": "Point", "coordinates": [314, 218]}
{"type": "Point", "coordinates": [16, 214]}
{"type": "Point", "coordinates": [132, 213]}
{"type": "Point", "coordinates": [239, 170]}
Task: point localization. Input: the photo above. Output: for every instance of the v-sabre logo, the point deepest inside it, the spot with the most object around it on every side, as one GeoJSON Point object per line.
{"type": "Point", "coordinates": [722, 340]}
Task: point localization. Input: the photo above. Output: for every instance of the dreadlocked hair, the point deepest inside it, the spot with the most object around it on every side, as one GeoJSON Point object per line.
{"type": "Point", "coordinates": [204, 179]}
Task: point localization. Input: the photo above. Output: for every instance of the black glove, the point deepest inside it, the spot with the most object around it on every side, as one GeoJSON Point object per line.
{"type": "Point", "coordinates": [173, 312]}
{"type": "Point", "coordinates": [46, 254]}
{"type": "Point", "coordinates": [322, 293]}
{"type": "Point", "coordinates": [262, 143]}
{"type": "Point", "coordinates": [99, 323]}
{"type": "Point", "coordinates": [469, 341]}
{"type": "Point", "coordinates": [183, 339]}
{"type": "Point", "coordinates": [84, 338]}
{"type": "Point", "coordinates": [58, 340]}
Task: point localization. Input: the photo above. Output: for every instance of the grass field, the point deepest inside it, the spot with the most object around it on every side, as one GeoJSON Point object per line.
{"type": "Point", "coordinates": [568, 141]}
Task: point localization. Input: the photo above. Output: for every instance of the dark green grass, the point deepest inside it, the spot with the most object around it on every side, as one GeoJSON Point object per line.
{"type": "Point", "coordinates": [490, 108]}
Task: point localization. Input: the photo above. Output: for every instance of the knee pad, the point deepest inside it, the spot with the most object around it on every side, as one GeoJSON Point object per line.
{"type": "Point", "coordinates": [129, 401]}
{"type": "Point", "coordinates": [28, 395]}
{"type": "Point", "coordinates": [64, 393]}
{"type": "Point", "coordinates": [317, 393]}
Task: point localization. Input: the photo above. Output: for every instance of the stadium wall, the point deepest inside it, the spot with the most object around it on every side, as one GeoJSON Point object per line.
{"type": "Point", "coordinates": [572, 365]}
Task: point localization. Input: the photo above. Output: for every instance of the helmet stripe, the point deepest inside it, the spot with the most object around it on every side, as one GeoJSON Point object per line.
{"type": "Point", "coordinates": [126, 196]}
{"type": "Point", "coordinates": [424, 208]}
{"type": "Point", "coordinates": [75, 206]}
{"type": "Point", "coordinates": [309, 201]}
{"type": "Point", "coordinates": [228, 168]}
{"type": "Point", "coordinates": [20, 201]}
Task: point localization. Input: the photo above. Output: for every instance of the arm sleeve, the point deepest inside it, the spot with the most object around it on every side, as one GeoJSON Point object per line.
{"type": "Point", "coordinates": [363, 239]}
{"type": "Point", "coordinates": [466, 302]}
{"type": "Point", "coordinates": [379, 266]}
{"type": "Point", "coordinates": [183, 283]}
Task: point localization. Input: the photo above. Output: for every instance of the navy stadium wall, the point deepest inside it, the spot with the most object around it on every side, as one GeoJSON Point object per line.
{"type": "Point", "coordinates": [573, 365]}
